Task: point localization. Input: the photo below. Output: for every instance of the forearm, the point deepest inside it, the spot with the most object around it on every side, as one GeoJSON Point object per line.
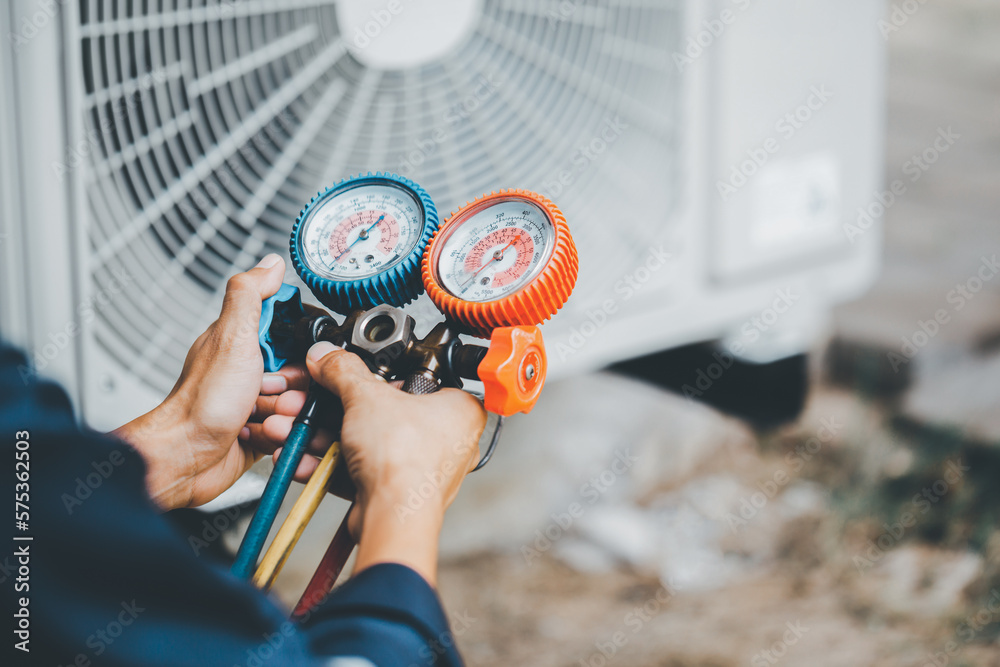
{"type": "Point", "coordinates": [393, 531]}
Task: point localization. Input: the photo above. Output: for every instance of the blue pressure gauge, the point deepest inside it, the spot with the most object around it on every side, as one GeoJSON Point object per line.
{"type": "Point", "coordinates": [359, 243]}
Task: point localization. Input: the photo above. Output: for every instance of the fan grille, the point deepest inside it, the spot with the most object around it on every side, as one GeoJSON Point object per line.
{"type": "Point", "coordinates": [209, 125]}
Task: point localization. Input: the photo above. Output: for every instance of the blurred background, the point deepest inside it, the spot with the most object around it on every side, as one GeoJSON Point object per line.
{"type": "Point", "coordinates": [770, 430]}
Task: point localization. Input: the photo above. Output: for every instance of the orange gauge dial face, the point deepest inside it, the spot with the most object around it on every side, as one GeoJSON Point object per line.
{"type": "Point", "coordinates": [504, 260]}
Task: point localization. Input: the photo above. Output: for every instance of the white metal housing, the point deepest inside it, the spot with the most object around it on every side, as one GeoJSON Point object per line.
{"type": "Point", "coordinates": [144, 158]}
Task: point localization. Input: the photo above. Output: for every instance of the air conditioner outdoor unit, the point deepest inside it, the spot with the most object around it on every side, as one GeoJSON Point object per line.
{"type": "Point", "coordinates": [710, 156]}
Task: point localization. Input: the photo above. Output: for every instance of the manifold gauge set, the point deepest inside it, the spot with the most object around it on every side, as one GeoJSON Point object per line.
{"type": "Point", "coordinates": [367, 246]}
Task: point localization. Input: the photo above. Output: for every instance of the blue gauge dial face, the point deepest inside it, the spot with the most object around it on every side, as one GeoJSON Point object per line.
{"type": "Point", "coordinates": [361, 231]}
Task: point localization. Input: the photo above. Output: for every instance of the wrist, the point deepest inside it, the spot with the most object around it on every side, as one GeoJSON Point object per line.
{"type": "Point", "coordinates": [397, 529]}
{"type": "Point", "coordinates": [403, 505]}
{"type": "Point", "coordinates": [160, 438]}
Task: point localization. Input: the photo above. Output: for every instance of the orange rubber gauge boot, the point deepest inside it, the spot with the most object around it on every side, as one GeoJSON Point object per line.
{"type": "Point", "coordinates": [504, 260]}
{"type": "Point", "coordinates": [499, 266]}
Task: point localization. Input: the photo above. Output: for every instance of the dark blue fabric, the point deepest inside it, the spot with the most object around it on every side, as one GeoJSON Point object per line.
{"type": "Point", "coordinates": [371, 594]}
{"type": "Point", "coordinates": [113, 583]}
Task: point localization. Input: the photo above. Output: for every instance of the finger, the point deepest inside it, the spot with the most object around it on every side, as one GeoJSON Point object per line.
{"type": "Point", "coordinates": [307, 466]}
{"type": "Point", "coordinates": [297, 376]}
{"type": "Point", "coordinates": [273, 383]}
{"type": "Point", "coordinates": [464, 403]}
{"type": "Point", "coordinates": [289, 377]}
{"type": "Point", "coordinates": [254, 437]}
{"type": "Point", "coordinates": [263, 408]}
{"type": "Point", "coordinates": [354, 523]}
{"type": "Point", "coordinates": [246, 291]}
{"type": "Point", "coordinates": [288, 403]}
{"type": "Point", "coordinates": [322, 441]}
{"type": "Point", "coordinates": [341, 372]}
{"type": "Point", "coordinates": [277, 427]}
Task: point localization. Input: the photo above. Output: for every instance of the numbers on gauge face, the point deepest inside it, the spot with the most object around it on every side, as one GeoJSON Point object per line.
{"type": "Point", "coordinates": [496, 250]}
{"type": "Point", "coordinates": [361, 232]}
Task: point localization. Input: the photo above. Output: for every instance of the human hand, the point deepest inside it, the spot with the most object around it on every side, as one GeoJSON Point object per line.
{"type": "Point", "coordinates": [209, 430]}
{"type": "Point", "coordinates": [407, 456]}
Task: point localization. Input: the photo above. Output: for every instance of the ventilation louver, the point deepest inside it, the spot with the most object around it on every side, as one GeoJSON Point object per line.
{"type": "Point", "coordinates": [211, 125]}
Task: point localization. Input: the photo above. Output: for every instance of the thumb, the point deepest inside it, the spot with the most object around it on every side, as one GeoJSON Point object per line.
{"type": "Point", "coordinates": [341, 372]}
{"type": "Point", "coordinates": [246, 291]}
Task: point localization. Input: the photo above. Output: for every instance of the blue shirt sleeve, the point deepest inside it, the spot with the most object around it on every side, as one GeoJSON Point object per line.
{"type": "Point", "coordinates": [112, 583]}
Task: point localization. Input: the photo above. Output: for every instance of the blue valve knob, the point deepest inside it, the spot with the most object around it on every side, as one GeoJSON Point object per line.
{"type": "Point", "coordinates": [278, 317]}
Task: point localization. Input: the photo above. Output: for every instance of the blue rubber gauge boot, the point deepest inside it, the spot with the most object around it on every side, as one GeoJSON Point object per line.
{"type": "Point", "coordinates": [359, 243]}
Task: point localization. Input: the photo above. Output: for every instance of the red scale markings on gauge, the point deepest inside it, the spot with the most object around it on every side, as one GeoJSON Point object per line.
{"type": "Point", "coordinates": [507, 252]}
{"type": "Point", "coordinates": [371, 223]}
{"type": "Point", "coordinates": [361, 232]}
{"type": "Point", "coordinates": [504, 260]}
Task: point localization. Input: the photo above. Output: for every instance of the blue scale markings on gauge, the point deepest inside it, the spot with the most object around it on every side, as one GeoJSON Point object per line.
{"type": "Point", "coordinates": [359, 243]}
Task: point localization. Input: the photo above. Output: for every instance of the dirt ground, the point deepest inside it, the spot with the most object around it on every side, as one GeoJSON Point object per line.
{"type": "Point", "coordinates": [819, 594]}
{"type": "Point", "coordinates": [535, 617]}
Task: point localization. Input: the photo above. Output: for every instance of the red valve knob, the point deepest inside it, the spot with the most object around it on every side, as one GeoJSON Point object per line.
{"type": "Point", "coordinates": [513, 371]}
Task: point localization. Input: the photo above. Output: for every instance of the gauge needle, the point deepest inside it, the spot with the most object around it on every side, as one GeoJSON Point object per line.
{"type": "Point", "coordinates": [498, 255]}
{"type": "Point", "coordinates": [361, 237]}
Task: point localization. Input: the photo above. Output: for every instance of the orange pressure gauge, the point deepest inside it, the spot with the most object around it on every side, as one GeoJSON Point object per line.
{"type": "Point", "coordinates": [503, 260]}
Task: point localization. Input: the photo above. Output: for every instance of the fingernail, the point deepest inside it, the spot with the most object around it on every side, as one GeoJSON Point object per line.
{"type": "Point", "coordinates": [245, 433]}
{"type": "Point", "coordinates": [269, 261]}
{"type": "Point", "coordinates": [320, 350]}
{"type": "Point", "coordinates": [273, 384]}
